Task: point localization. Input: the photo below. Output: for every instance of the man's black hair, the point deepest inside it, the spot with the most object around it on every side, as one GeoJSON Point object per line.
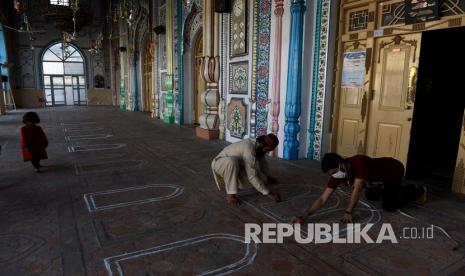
{"type": "Point", "coordinates": [261, 139]}
{"type": "Point", "coordinates": [31, 117]}
{"type": "Point", "coordinates": [331, 160]}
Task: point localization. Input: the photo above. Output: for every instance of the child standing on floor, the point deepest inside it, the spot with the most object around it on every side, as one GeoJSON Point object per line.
{"type": "Point", "coordinates": [33, 140]}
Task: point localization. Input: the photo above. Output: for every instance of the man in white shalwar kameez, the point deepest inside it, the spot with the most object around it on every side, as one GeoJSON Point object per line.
{"type": "Point", "coordinates": [242, 165]}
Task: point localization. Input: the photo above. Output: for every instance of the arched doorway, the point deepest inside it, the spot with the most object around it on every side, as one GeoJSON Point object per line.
{"type": "Point", "coordinates": [147, 74]}
{"type": "Point", "coordinates": [64, 75]}
{"type": "Point", "coordinates": [199, 83]}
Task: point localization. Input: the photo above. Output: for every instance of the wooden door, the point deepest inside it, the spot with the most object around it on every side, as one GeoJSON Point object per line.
{"type": "Point", "coordinates": [351, 131]}
{"type": "Point", "coordinates": [199, 83]}
{"type": "Point", "coordinates": [458, 183]}
{"type": "Point", "coordinates": [148, 61]}
{"type": "Point", "coordinates": [393, 96]}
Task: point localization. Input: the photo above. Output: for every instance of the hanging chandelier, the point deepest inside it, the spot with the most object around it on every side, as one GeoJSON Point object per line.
{"type": "Point", "coordinates": [128, 11]}
{"type": "Point", "coordinates": [75, 8]}
{"type": "Point", "coordinates": [18, 6]}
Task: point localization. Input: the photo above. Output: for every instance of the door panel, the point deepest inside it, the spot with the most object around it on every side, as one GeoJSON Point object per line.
{"type": "Point", "coordinates": [388, 139]}
{"type": "Point", "coordinates": [148, 103]}
{"type": "Point", "coordinates": [349, 133]}
{"type": "Point", "coordinates": [458, 184]}
{"type": "Point", "coordinates": [58, 90]}
{"type": "Point", "coordinates": [199, 83]}
{"type": "Point", "coordinates": [391, 107]}
{"type": "Point", "coordinates": [69, 95]}
{"type": "Point", "coordinates": [352, 112]}
{"type": "Point", "coordinates": [393, 77]}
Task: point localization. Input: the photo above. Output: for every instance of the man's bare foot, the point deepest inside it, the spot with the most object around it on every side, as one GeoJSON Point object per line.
{"type": "Point", "coordinates": [422, 200]}
{"type": "Point", "coordinates": [233, 200]}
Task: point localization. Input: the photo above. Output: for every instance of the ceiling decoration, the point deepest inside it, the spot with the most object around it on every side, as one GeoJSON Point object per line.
{"type": "Point", "coordinates": [61, 13]}
{"type": "Point", "coordinates": [25, 24]}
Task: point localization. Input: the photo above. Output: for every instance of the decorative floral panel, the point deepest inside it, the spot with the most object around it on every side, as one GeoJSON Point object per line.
{"type": "Point", "coordinates": [237, 118]}
{"type": "Point", "coordinates": [239, 78]}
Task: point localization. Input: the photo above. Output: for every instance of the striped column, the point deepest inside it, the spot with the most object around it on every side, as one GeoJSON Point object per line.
{"type": "Point", "coordinates": [276, 84]}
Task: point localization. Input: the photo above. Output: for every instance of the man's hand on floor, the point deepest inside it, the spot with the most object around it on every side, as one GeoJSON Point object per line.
{"type": "Point", "coordinates": [347, 218]}
{"type": "Point", "coordinates": [233, 200]}
{"type": "Point", "coordinates": [274, 196]}
{"type": "Point", "coordinates": [299, 220]}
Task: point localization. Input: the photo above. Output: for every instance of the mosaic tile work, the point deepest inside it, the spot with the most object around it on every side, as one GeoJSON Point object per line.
{"type": "Point", "coordinates": [237, 117]}
{"type": "Point", "coordinates": [320, 61]}
{"type": "Point", "coordinates": [239, 78]}
{"type": "Point", "coordinates": [262, 66]}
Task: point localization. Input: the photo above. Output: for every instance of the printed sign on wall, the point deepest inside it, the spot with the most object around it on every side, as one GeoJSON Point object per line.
{"type": "Point", "coordinates": [353, 70]}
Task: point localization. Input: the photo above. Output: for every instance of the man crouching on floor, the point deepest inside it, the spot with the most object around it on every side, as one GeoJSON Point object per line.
{"type": "Point", "coordinates": [243, 164]}
{"type": "Point", "coordinates": [382, 179]}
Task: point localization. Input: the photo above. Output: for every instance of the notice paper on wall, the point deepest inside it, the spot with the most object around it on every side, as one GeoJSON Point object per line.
{"type": "Point", "coordinates": [353, 70]}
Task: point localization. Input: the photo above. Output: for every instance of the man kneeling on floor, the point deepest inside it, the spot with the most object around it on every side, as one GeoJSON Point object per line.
{"type": "Point", "coordinates": [382, 178]}
{"type": "Point", "coordinates": [243, 164]}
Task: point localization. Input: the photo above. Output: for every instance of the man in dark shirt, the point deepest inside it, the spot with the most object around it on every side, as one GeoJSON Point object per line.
{"type": "Point", "coordinates": [382, 177]}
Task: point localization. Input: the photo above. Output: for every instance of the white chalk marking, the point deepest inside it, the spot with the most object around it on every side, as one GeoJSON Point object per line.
{"type": "Point", "coordinates": [78, 129]}
{"type": "Point", "coordinates": [92, 207]}
{"type": "Point", "coordinates": [88, 137]}
{"type": "Point", "coordinates": [96, 147]}
{"type": "Point", "coordinates": [114, 262]}
{"type": "Point", "coordinates": [77, 123]}
{"type": "Point", "coordinates": [375, 214]}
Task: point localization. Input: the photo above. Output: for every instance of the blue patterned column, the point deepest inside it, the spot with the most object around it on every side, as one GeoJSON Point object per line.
{"type": "Point", "coordinates": [294, 81]}
{"type": "Point", "coordinates": [262, 67]}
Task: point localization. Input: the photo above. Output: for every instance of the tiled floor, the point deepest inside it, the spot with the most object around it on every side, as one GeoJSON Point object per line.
{"type": "Point", "coordinates": [128, 195]}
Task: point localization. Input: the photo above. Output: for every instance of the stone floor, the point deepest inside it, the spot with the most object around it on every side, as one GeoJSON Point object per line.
{"type": "Point", "coordinates": [127, 195]}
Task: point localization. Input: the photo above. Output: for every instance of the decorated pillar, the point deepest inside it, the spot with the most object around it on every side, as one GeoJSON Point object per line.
{"type": "Point", "coordinates": [130, 51]}
{"type": "Point", "coordinates": [320, 63]}
{"type": "Point", "coordinates": [209, 121]}
{"type": "Point", "coordinates": [169, 81]}
{"type": "Point", "coordinates": [276, 84]}
{"type": "Point", "coordinates": [294, 81]}
{"type": "Point", "coordinates": [135, 90]}
{"type": "Point", "coordinates": [180, 47]}
{"type": "Point", "coordinates": [262, 66]}
{"type": "Point", "coordinates": [222, 105]}
{"type": "Point", "coordinates": [122, 57]}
